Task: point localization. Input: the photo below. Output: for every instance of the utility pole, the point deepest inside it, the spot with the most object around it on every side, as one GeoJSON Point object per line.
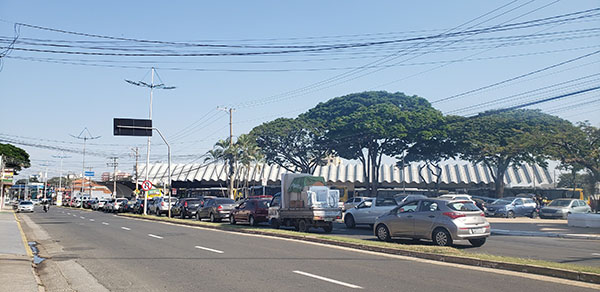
{"type": "Point", "coordinates": [137, 155]}
{"type": "Point", "coordinates": [1, 182]}
{"type": "Point", "coordinates": [60, 174]}
{"type": "Point", "coordinates": [230, 111]}
{"type": "Point", "coordinates": [84, 135]}
{"type": "Point", "coordinates": [114, 163]}
{"type": "Point", "coordinates": [152, 86]}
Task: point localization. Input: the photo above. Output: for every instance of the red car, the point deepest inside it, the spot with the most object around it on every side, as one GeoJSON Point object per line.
{"type": "Point", "coordinates": [252, 211]}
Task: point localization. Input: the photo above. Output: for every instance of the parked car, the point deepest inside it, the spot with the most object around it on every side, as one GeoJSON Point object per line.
{"type": "Point", "coordinates": [252, 211]}
{"type": "Point", "coordinates": [25, 206]}
{"type": "Point", "coordinates": [98, 205]}
{"type": "Point", "coordinates": [511, 207]}
{"type": "Point", "coordinates": [401, 199]}
{"type": "Point", "coordinates": [457, 197]}
{"type": "Point", "coordinates": [437, 219]}
{"type": "Point", "coordinates": [367, 212]}
{"type": "Point", "coordinates": [87, 204]}
{"type": "Point", "coordinates": [186, 207]}
{"type": "Point", "coordinates": [108, 206]}
{"type": "Point", "coordinates": [160, 205]}
{"type": "Point", "coordinates": [562, 208]}
{"type": "Point", "coordinates": [120, 205]}
{"type": "Point", "coordinates": [216, 209]}
{"type": "Point", "coordinates": [35, 202]}
{"type": "Point", "coordinates": [353, 202]}
{"type": "Point", "coordinates": [481, 204]}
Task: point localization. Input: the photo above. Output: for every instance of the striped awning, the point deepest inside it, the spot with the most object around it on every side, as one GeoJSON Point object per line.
{"type": "Point", "coordinates": [454, 174]}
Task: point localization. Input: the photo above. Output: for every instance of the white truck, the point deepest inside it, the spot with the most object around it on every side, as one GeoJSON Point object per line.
{"type": "Point", "coordinates": [367, 212]}
{"type": "Point", "coordinates": [304, 202]}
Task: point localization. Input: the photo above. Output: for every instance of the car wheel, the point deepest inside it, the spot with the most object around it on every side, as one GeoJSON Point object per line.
{"type": "Point", "coordinates": [275, 223]}
{"type": "Point", "coordinates": [566, 215]}
{"type": "Point", "coordinates": [477, 242]}
{"type": "Point", "coordinates": [157, 213]}
{"type": "Point", "coordinates": [301, 226]}
{"type": "Point", "coordinates": [534, 214]}
{"type": "Point", "coordinates": [383, 233]}
{"type": "Point", "coordinates": [441, 237]}
{"type": "Point", "coordinates": [328, 228]}
{"type": "Point", "coordinates": [198, 216]}
{"type": "Point", "coordinates": [231, 219]}
{"type": "Point", "coordinates": [252, 221]}
{"type": "Point", "coordinates": [349, 220]}
{"type": "Point", "coordinates": [213, 218]}
{"type": "Point", "coordinates": [510, 214]}
{"type": "Point", "coordinates": [182, 214]}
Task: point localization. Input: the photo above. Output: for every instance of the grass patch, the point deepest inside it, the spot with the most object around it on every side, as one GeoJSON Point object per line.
{"type": "Point", "coordinates": [449, 251]}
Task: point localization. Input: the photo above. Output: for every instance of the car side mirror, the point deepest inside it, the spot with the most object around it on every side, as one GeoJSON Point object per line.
{"type": "Point", "coordinates": [514, 204]}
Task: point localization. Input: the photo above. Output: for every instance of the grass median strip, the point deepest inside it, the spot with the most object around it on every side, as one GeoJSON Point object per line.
{"type": "Point", "coordinates": [416, 248]}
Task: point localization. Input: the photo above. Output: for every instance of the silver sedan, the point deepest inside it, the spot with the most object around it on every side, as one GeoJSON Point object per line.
{"type": "Point", "coordinates": [440, 220]}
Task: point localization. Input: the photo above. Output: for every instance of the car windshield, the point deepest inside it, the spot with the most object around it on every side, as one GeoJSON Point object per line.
{"type": "Point", "coordinates": [463, 206]}
{"type": "Point", "coordinates": [26, 203]}
{"type": "Point", "coordinates": [502, 202]}
{"type": "Point", "coordinates": [386, 202]}
{"type": "Point", "coordinates": [263, 204]}
{"type": "Point", "coordinates": [560, 203]}
{"type": "Point", "coordinates": [225, 201]}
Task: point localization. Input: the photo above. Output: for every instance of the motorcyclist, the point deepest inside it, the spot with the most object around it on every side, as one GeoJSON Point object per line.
{"type": "Point", "coordinates": [46, 204]}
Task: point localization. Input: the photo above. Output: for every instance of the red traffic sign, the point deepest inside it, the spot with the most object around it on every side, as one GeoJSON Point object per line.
{"type": "Point", "coordinates": [146, 185]}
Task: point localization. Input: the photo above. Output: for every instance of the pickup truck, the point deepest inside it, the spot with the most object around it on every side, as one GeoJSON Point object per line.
{"type": "Point", "coordinates": [367, 212]}
{"type": "Point", "coordinates": [304, 202]}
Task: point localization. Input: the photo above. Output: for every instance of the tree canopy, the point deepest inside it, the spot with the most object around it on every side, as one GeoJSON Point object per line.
{"type": "Point", "coordinates": [368, 125]}
{"type": "Point", "coordinates": [293, 144]}
{"type": "Point", "coordinates": [579, 147]}
{"type": "Point", "coordinates": [15, 157]}
{"type": "Point", "coordinates": [500, 139]}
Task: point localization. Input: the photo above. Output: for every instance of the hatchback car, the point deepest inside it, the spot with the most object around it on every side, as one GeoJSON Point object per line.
{"type": "Point", "coordinates": [439, 220]}
{"type": "Point", "coordinates": [353, 202]}
{"type": "Point", "coordinates": [186, 207]}
{"type": "Point", "coordinates": [216, 209]}
{"type": "Point", "coordinates": [562, 208]}
{"type": "Point", "coordinates": [25, 206]}
{"type": "Point", "coordinates": [511, 207]}
{"type": "Point", "coordinates": [252, 211]}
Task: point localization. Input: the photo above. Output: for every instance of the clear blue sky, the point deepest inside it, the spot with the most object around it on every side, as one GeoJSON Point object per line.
{"type": "Point", "coordinates": [44, 100]}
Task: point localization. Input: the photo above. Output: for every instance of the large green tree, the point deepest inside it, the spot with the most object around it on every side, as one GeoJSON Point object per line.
{"type": "Point", "coordinates": [368, 125]}
{"type": "Point", "coordinates": [501, 139]}
{"type": "Point", "coordinates": [14, 157]}
{"type": "Point", "coordinates": [433, 147]}
{"type": "Point", "coordinates": [579, 147]}
{"type": "Point", "coordinates": [293, 144]}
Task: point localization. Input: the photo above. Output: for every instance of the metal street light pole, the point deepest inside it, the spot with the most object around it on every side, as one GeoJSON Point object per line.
{"type": "Point", "coordinates": [231, 164]}
{"type": "Point", "coordinates": [61, 168]}
{"type": "Point", "coordinates": [151, 86]}
{"type": "Point", "coordinates": [85, 137]}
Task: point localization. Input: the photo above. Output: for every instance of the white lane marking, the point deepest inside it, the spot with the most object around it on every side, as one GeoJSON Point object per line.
{"type": "Point", "coordinates": [155, 236]}
{"type": "Point", "coordinates": [74, 215]}
{"type": "Point", "coordinates": [208, 249]}
{"type": "Point", "coordinates": [596, 254]}
{"type": "Point", "coordinates": [105, 223]}
{"type": "Point", "coordinates": [81, 217]}
{"type": "Point", "coordinates": [125, 228]}
{"type": "Point", "coordinates": [68, 213]}
{"type": "Point", "coordinates": [92, 220]}
{"type": "Point", "coordinates": [328, 280]}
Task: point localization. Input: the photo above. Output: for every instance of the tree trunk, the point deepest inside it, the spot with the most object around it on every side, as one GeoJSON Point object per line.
{"type": "Point", "coordinates": [499, 182]}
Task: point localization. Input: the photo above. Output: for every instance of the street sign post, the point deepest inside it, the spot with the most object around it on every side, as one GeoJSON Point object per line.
{"type": "Point", "coordinates": [146, 185]}
{"type": "Point", "coordinates": [132, 127]}
{"type": "Point", "coordinates": [89, 173]}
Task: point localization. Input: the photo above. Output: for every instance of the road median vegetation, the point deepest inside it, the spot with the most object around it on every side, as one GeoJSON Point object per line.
{"type": "Point", "coordinates": [445, 254]}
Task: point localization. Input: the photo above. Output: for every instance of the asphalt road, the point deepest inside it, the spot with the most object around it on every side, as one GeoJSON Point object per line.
{"type": "Point", "coordinates": [574, 251]}
{"type": "Point", "coordinates": [134, 255]}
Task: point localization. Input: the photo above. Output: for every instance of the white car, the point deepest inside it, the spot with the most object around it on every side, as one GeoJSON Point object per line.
{"type": "Point", "coordinates": [353, 202]}
{"type": "Point", "coordinates": [25, 206]}
{"type": "Point", "coordinates": [367, 212]}
{"type": "Point", "coordinates": [457, 197]}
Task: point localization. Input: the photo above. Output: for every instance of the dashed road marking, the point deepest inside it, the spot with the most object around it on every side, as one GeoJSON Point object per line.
{"type": "Point", "coordinates": [105, 223]}
{"type": "Point", "coordinates": [596, 254]}
{"type": "Point", "coordinates": [329, 280]}
{"type": "Point", "coordinates": [155, 236]}
{"type": "Point", "coordinates": [208, 249]}
{"type": "Point", "coordinates": [125, 228]}
{"type": "Point", "coordinates": [81, 217]}
{"type": "Point", "coordinates": [92, 220]}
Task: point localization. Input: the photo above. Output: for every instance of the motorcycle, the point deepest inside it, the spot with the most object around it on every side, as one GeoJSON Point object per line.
{"type": "Point", "coordinates": [46, 207]}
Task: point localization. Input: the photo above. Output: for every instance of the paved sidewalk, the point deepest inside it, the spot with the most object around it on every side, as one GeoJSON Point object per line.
{"type": "Point", "coordinates": [524, 226]}
{"type": "Point", "coordinates": [16, 271]}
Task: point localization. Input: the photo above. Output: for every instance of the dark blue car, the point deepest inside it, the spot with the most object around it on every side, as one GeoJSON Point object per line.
{"type": "Point", "coordinates": [511, 207]}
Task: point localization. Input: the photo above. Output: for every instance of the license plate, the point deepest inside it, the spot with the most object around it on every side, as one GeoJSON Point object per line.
{"type": "Point", "coordinates": [478, 230]}
{"type": "Point", "coordinates": [491, 213]}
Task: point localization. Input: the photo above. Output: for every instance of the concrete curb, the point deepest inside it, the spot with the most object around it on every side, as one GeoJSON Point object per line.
{"type": "Point", "coordinates": [544, 234]}
{"type": "Point", "coordinates": [531, 269]}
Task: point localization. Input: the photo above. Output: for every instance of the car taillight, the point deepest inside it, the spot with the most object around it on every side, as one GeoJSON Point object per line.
{"type": "Point", "coordinates": [220, 207]}
{"type": "Point", "coordinates": [454, 215]}
{"type": "Point", "coordinates": [185, 204]}
{"type": "Point", "coordinates": [162, 204]}
{"type": "Point", "coordinates": [482, 214]}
